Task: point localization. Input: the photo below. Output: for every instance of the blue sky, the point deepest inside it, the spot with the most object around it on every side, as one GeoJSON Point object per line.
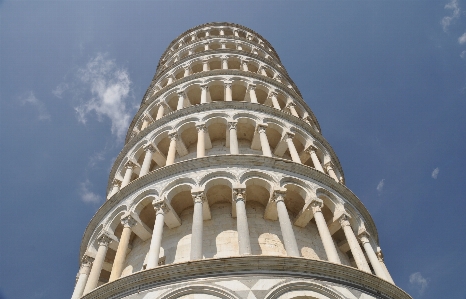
{"type": "Point", "coordinates": [386, 80]}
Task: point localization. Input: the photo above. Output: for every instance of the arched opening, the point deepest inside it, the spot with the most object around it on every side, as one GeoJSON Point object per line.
{"type": "Point", "coordinates": [194, 94]}
{"type": "Point", "coordinates": [216, 89]}
{"type": "Point", "coordinates": [238, 89]}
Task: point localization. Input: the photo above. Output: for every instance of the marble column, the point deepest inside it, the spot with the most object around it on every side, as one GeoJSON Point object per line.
{"type": "Point", "coordinates": [224, 63]}
{"type": "Point", "coordinates": [204, 89]}
{"type": "Point", "coordinates": [128, 173]}
{"type": "Point", "coordinates": [292, 107]}
{"type": "Point", "coordinates": [205, 65]}
{"type": "Point", "coordinates": [252, 93]}
{"type": "Point", "coordinates": [206, 46]}
{"type": "Point", "coordinates": [315, 160]}
{"type": "Point", "coordinates": [154, 251]}
{"type": "Point", "coordinates": [382, 263]}
{"type": "Point", "coordinates": [145, 122]}
{"type": "Point", "coordinates": [239, 196]}
{"type": "Point", "coordinates": [286, 227]}
{"type": "Point", "coordinates": [331, 172]}
{"type": "Point", "coordinates": [273, 97]}
{"type": "Point", "coordinates": [228, 93]}
{"type": "Point", "coordinates": [379, 271]}
{"type": "Point", "coordinates": [264, 141]}
{"type": "Point", "coordinates": [263, 72]}
{"type": "Point", "coordinates": [187, 71]}
{"type": "Point", "coordinates": [172, 148]}
{"type": "Point", "coordinates": [122, 250]}
{"type": "Point", "coordinates": [181, 97]}
{"type": "Point", "coordinates": [149, 150]}
{"type": "Point", "coordinates": [245, 65]}
{"type": "Point", "coordinates": [234, 149]}
{"type": "Point", "coordinates": [83, 275]}
{"type": "Point", "coordinates": [198, 223]}
{"type": "Point", "coordinates": [293, 152]}
{"type": "Point", "coordinates": [238, 46]}
{"type": "Point", "coordinates": [160, 112]}
{"type": "Point", "coordinates": [201, 131]}
{"type": "Point", "coordinates": [170, 80]}
{"type": "Point", "coordinates": [353, 243]}
{"type": "Point", "coordinates": [94, 275]}
{"type": "Point", "coordinates": [327, 241]}
{"type": "Point", "coordinates": [115, 188]}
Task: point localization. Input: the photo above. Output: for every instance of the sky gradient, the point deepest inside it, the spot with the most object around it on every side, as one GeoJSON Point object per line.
{"type": "Point", "coordinates": [385, 79]}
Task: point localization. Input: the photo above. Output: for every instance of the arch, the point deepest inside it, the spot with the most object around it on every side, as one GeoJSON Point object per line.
{"type": "Point", "coordinates": [178, 194]}
{"type": "Point", "coordinates": [142, 199]}
{"type": "Point", "coordinates": [295, 289]}
{"type": "Point", "coordinates": [114, 219]}
{"type": "Point", "coordinates": [201, 289]}
{"type": "Point", "coordinates": [204, 181]}
{"type": "Point", "coordinates": [330, 200]}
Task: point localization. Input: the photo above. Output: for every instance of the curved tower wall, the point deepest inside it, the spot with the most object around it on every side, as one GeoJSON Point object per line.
{"type": "Point", "coordinates": [226, 188]}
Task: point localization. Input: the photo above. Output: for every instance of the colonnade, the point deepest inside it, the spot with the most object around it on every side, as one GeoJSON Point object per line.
{"type": "Point", "coordinates": [91, 268]}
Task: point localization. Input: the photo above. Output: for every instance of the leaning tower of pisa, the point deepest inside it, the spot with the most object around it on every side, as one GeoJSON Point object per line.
{"type": "Point", "coordinates": [226, 188]}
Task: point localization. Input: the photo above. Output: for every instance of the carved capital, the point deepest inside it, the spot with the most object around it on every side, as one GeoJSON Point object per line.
{"type": "Point", "coordinates": [173, 135]}
{"type": "Point", "coordinates": [380, 254]}
{"type": "Point", "coordinates": [227, 84]}
{"type": "Point", "coordinates": [289, 135]}
{"type": "Point", "coordinates": [204, 86]}
{"type": "Point", "coordinates": [181, 94]}
{"type": "Point", "coordinates": [364, 237]}
{"type": "Point", "coordinates": [150, 148]}
{"type": "Point", "coordinates": [273, 94]}
{"type": "Point", "coordinates": [86, 261]}
{"type": "Point", "coordinates": [232, 125]}
{"type": "Point", "coordinates": [128, 221]}
{"type": "Point", "coordinates": [344, 220]}
{"type": "Point", "coordinates": [329, 166]}
{"type": "Point", "coordinates": [316, 205]}
{"type": "Point", "coordinates": [239, 194]}
{"type": "Point", "coordinates": [160, 206]}
{"type": "Point", "coordinates": [310, 149]}
{"type": "Point", "coordinates": [261, 128]}
{"type": "Point", "coordinates": [252, 86]}
{"type": "Point", "coordinates": [290, 104]}
{"type": "Point", "coordinates": [201, 127]}
{"type": "Point", "coordinates": [104, 240]}
{"type": "Point", "coordinates": [130, 164]}
{"type": "Point", "coordinates": [198, 196]}
{"type": "Point", "coordinates": [116, 182]}
{"type": "Point", "coordinates": [279, 195]}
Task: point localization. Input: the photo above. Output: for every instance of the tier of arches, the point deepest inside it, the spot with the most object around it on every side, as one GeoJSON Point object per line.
{"type": "Point", "coordinates": [221, 134]}
{"type": "Point", "coordinates": [219, 61]}
{"type": "Point", "coordinates": [226, 33]}
{"type": "Point", "coordinates": [283, 214]}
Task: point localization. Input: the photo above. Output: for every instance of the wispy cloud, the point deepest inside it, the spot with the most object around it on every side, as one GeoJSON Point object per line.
{"type": "Point", "coordinates": [455, 7]}
{"type": "Point", "coordinates": [29, 98]}
{"type": "Point", "coordinates": [435, 173]}
{"type": "Point", "coordinates": [86, 195]}
{"type": "Point", "coordinates": [380, 186]}
{"type": "Point", "coordinates": [463, 55]}
{"type": "Point", "coordinates": [418, 282]}
{"type": "Point", "coordinates": [462, 39]}
{"type": "Point", "coordinates": [60, 89]}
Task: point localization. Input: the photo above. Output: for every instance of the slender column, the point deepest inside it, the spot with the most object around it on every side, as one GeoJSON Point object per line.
{"type": "Point", "coordinates": [238, 46]}
{"type": "Point", "coordinates": [324, 233]}
{"type": "Point", "coordinates": [207, 33]}
{"type": "Point", "coordinates": [206, 46]}
{"type": "Point", "coordinates": [264, 141]}
{"type": "Point", "coordinates": [198, 222]}
{"type": "Point", "coordinates": [330, 171]}
{"type": "Point", "coordinates": [149, 149]}
{"type": "Point", "coordinates": [353, 243]}
{"type": "Point", "coordinates": [205, 65]}
{"type": "Point", "coordinates": [120, 256]}
{"type": "Point", "coordinates": [285, 225]}
{"type": "Point", "coordinates": [224, 46]}
{"type": "Point", "coordinates": [145, 123]}
{"type": "Point", "coordinates": [193, 37]}
{"type": "Point", "coordinates": [170, 80]}
{"type": "Point", "coordinates": [382, 263]}
{"type": "Point", "coordinates": [239, 196]}
{"type": "Point", "coordinates": [293, 152]}
{"type": "Point", "coordinates": [187, 71]}
{"type": "Point", "coordinates": [234, 149]}
{"type": "Point", "coordinates": [190, 50]}
{"type": "Point", "coordinates": [128, 173]}
{"type": "Point", "coordinates": [252, 93]}
{"type": "Point", "coordinates": [228, 95]}
{"type": "Point", "coordinates": [180, 100]}
{"type": "Point", "coordinates": [379, 271]}
{"type": "Point", "coordinates": [172, 148]}
{"type": "Point", "coordinates": [254, 51]}
{"type": "Point", "coordinates": [315, 160]}
{"type": "Point", "coordinates": [201, 131]}
{"type": "Point", "coordinates": [245, 65]}
{"type": "Point", "coordinates": [204, 93]}
{"type": "Point", "coordinates": [94, 276]}
{"type": "Point", "coordinates": [115, 188]}
{"type": "Point", "coordinates": [225, 63]}
{"type": "Point", "coordinates": [273, 97]}
{"type": "Point", "coordinates": [222, 32]}
{"type": "Point", "coordinates": [292, 107]}
{"type": "Point", "coordinates": [236, 33]}
{"type": "Point", "coordinates": [263, 72]}
{"type": "Point", "coordinates": [154, 251]}
{"type": "Point", "coordinates": [82, 277]}
{"type": "Point", "coordinates": [160, 112]}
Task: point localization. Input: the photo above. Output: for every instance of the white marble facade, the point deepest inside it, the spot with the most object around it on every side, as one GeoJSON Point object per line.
{"type": "Point", "coordinates": [226, 188]}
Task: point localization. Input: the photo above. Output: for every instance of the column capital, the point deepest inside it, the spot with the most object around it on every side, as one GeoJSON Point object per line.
{"type": "Point", "coordinates": [104, 240]}
{"type": "Point", "coordinates": [86, 261]}
{"type": "Point", "coordinates": [261, 128]}
{"type": "Point", "coordinates": [252, 86]}
{"type": "Point", "coordinates": [228, 84]}
{"type": "Point", "coordinates": [160, 206]}
{"type": "Point", "coordinates": [310, 149]}
{"type": "Point", "coordinates": [201, 127]}
{"type": "Point", "coordinates": [150, 148]}
{"type": "Point", "coordinates": [232, 125]}
{"type": "Point", "coordinates": [290, 104]}
{"type": "Point", "coordinates": [198, 196]}
{"type": "Point", "coordinates": [116, 182]}
{"type": "Point", "coordinates": [364, 237]}
{"type": "Point", "coordinates": [128, 221]}
{"type": "Point", "coordinates": [344, 220]}
{"type": "Point", "coordinates": [316, 205]}
{"type": "Point", "coordinates": [204, 86]}
{"type": "Point", "coordinates": [173, 135]}
{"type": "Point", "coordinates": [186, 66]}
{"type": "Point", "coordinates": [239, 194]}
{"type": "Point", "coordinates": [289, 135]}
{"type": "Point", "coordinates": [131, 164]}
{"type": "Point", "coordinates": [181, 93]}
{"type": "Point", "coordinates": [279, 195]}
{"type": "Point", "coordinates": [273, 93]}
{"type": "Point", "coordinates": [329, 165]}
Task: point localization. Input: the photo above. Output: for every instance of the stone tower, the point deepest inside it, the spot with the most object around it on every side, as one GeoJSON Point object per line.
{"type": "Point", "coordinates": [226, 188]}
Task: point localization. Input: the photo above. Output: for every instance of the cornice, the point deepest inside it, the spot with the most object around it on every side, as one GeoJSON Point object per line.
{"type": "Point", "coordinates": [298, 268]}
{"type": "Point", "coordinates": [248, 161]}
{"type": "Point", "coordinates": [189, 111]}
{"type": "Point", "coordinates": [145, 103]}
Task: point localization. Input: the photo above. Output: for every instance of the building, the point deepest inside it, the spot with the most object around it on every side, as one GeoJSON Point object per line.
{"type": "Point", "coordinates": [226, 188]}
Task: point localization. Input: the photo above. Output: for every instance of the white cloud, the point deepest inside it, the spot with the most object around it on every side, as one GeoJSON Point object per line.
{"type": "Point", "coordinates": [87, 195]}
{"type": "Point", "coordinates": [380, 185]}
{"type": "Point", "coordinates": [446, 21]}
{"type": "Point", "coordinates": [30, 99]}
{"type": "Point", "coordinates": [419, 282]}
{"type": "Point", "coordinates": [462, 39]}
{"type": "Point", "coordinates": [60, 89]}
{"type": "Point", "coordinates": [463, 55]}
{"type": "Point", "coordinates": [110, 88]}
{"type": "Point", "coordinates": [435, 173]}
